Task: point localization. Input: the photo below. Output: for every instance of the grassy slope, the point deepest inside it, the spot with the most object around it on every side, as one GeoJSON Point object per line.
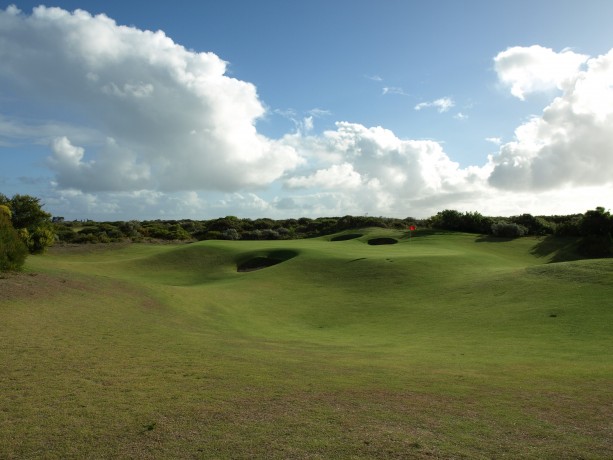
{"type": "Point", "coordinates": [447, 345]}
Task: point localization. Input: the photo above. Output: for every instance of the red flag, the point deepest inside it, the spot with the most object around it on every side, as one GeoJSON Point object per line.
{"type": "Point", "coordinates": [412, 227]}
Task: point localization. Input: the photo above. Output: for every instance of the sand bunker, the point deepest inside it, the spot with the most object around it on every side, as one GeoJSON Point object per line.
{"type": "Point", "coordinates": [264, 261]}
{"type": "Point", "coordinates": [350, 236]}
{"type": "Point", "coordinates": [378, 241]}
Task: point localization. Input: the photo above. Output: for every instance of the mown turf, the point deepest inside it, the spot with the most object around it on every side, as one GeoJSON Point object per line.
{"type": "Point", "coordinates": [440, 346]}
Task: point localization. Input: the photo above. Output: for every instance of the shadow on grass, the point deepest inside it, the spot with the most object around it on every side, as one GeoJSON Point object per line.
{"type": "Point", "coordinates": [493, 239]}
{"type": "Point", "coordinates": [425, 232]}
{"type": "Point", "coordinates": [558, 249]}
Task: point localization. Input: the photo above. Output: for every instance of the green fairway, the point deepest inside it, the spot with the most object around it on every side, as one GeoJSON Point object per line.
{"type": "Point", "coordinates": [443, 345]}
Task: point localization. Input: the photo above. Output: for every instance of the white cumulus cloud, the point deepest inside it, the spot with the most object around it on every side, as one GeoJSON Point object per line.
{"type": "Point", "coordinates": [336, 176]}
{"type": "Point", "coordinates": [176, 120]}
{"type": "Point", "coordinates": [372, 169]}
{"type": "Point", "coordinates": [571, 143]}
{"type": "Point", "coordinates": [535, 68]}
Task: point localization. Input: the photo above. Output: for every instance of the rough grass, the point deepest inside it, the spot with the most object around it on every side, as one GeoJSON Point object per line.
{"type": "Point", "coordinates": [440, 346]}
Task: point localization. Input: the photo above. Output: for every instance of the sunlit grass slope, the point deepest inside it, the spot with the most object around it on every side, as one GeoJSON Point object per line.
{"type": "Point", "coordinates": [443, 345]}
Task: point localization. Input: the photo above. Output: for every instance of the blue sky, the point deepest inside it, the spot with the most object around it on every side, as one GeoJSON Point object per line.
{"type": "Point", "coordinates": [397, 108]}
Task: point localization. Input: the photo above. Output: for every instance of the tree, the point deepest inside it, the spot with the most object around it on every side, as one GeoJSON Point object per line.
{"type": "Point", "coordinates": [13, 251]}
{"type": "Point", "coordinates": [33, 225]}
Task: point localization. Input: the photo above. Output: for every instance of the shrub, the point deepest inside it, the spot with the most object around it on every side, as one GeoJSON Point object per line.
{"type": "Point", "coordinates": [597, 246]}
{"type": "Point", "coordinates": [32, 223]}
{"type": "Point", "coordinates": [252, 235]}
{"type": "Point", "coordinates": [284, 233]}
{"type": "Point", "coordinates": [596, 228]}
{"type": "Point", "coordinates": [131, 229]}
{"type": "Point", "coordinates": [534, 225]}
{"type": "Point", "coordinates": [64, 233]}
{"type": "Point", "coordinates": [81, 238]}
{"type": "Point", "coordinates": [230, 234]}
{"type": "Point", "coordinates": [39, 239]}
{"type": "Point", "coordinates": [211, 235]}
{"type": "Point", "coordinates": [5, 210]}
{"type": "Point", "coordinates": [568, 226]}
{"type": "Point", "coordinates": [179, 233]}
{"type": "Point", "coordinates": [13, 251]}
{"type": "Point", "coordinates": [157, 230]}
{"type": "Point", "coordinates": [508, 229]}
{"type": "Point", "coordinates": [597, 222]}
{"type": "Point", "coordinates": [471, 222]}
{"type": "Point", "coordinates": [269, 234]}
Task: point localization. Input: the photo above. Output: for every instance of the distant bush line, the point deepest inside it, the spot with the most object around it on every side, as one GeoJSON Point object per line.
{"type": "Point", "coordinates": [224, 228]}
{"type": "Point", "coordinates": [26, 228]}
{"type": "Point", "coordinates": [595, 228]}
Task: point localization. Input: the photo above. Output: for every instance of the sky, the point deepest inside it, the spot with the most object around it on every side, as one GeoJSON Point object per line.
{"type": "Point", "coordinates": [118, 110]}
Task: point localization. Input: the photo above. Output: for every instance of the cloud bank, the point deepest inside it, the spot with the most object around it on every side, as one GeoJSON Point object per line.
{"type": "Point", "coordinates": [138, 125]}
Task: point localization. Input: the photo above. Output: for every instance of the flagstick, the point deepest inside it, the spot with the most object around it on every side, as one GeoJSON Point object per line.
{"type": "Point", "coordinates": [411, 228]}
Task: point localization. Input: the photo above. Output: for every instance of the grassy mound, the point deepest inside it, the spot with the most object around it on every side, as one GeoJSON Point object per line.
{"type": "Point", "coordinates": [445, 346]}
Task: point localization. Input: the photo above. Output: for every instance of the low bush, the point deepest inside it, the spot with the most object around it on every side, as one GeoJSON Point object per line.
{"type": "Point", "coordinates": [508, 229]}
{"type": "Point", "coordinates": [13, 251]}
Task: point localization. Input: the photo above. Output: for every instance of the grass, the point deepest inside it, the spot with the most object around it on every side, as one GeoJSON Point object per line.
{"type": "Point", "coordinates": [441, 346]}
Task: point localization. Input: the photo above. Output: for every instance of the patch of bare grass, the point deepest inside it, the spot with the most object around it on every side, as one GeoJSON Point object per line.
{"type": "Point", "coordinates": [34, 286]}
